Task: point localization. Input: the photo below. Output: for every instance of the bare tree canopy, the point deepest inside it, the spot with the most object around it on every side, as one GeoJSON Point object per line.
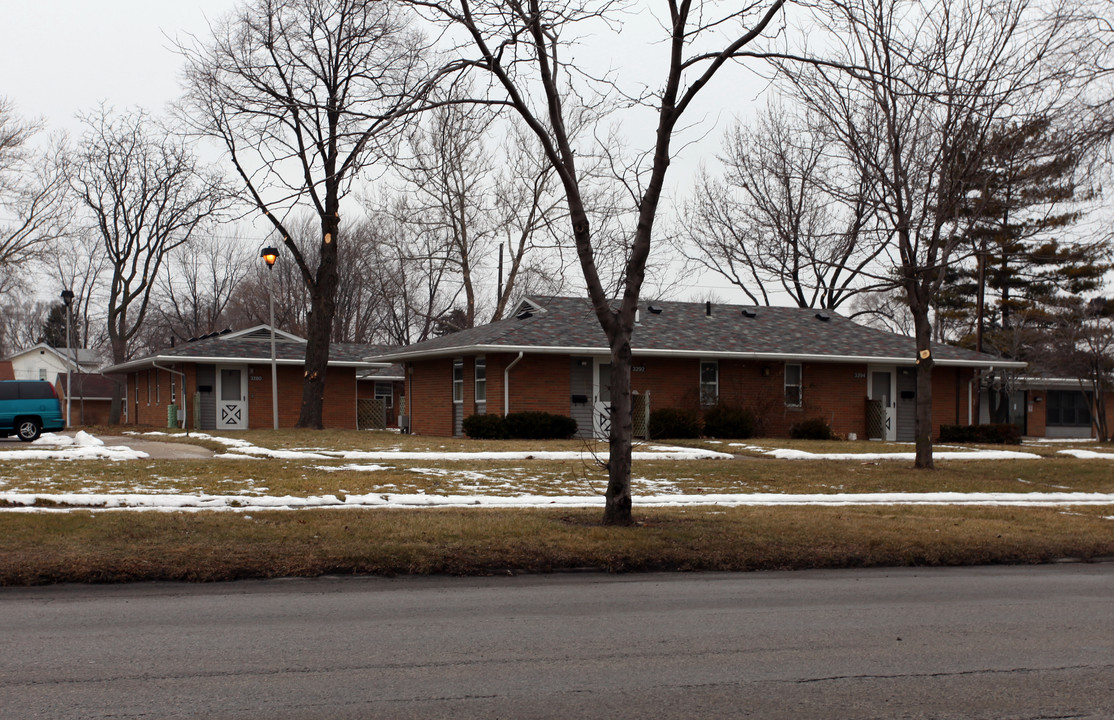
{"type": "Point", "coordinates": [144, 195]}
{"type": "Point", "coordinates": [200, 280]}
{"type": "Point", "coordinates": [302, 95]}
{"type": "Point", "coordinates": [913, 92]}
{"type": "Point", "coordinates": [526, 49]}
{"type": "Point", "coordinates": [473, 210]}
{"type": "Point", "coordinates": [32, 193]}
{"type": "Point", "coordinates": [788, 217]}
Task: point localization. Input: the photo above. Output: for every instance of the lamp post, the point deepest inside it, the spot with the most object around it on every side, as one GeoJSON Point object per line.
{"type": "Point", "coordinates": [67, 300]}
{"type": "Point", "coordinates": [270, 255]}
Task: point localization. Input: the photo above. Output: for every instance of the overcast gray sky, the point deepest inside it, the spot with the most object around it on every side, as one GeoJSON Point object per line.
{"type": "Point", "coordinates": [61, 57]}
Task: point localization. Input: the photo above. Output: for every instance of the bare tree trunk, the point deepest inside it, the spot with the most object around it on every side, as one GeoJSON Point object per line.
{"type": "Point", "coordinates": [320, 325]}
{"type": "Point", "coordinates": [925, 363]}
{"type": "Point", "coordinates": [617, 507]}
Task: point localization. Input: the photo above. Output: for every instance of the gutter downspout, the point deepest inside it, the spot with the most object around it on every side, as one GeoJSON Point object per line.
{"type": "Point", "coordinates": [507, 384]}
{"type": "Point", "coordinates": [185, 415]}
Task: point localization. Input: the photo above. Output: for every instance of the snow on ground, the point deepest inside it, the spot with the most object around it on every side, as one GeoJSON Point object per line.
{"type": "Point", "coordinates": [786, 454]}
{"type": "Point", "coordinates": [82, 446]}
{"type": "Point", "coordinates": [26, 502]}
{"type": "Point", "coordinates": [1087, 454]}
{"type": "Point", "coordinates": [241, 448]}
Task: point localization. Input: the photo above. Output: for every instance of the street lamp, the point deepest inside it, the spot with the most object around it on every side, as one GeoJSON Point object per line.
{"type": "Point", "coordinates": [270, 255]}
{"type": "Point", "coordinates": [67, 300]}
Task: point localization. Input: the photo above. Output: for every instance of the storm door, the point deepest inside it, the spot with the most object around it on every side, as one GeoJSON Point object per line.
{"type": "Point", "coordinates": [232, 398]}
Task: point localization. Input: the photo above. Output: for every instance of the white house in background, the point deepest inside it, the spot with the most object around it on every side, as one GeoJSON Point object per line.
{"type": "Point", "coordinates": [42, 362]}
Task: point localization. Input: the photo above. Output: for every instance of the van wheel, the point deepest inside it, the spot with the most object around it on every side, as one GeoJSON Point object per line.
{"type": "Point", "coordinates": [29, 429]}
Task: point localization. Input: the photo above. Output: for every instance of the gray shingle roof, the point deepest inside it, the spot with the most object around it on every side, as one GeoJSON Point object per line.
{"type": "Point", "coordinates": [253, 347]}
{"type": "Point", "coordinates": [564, 324]}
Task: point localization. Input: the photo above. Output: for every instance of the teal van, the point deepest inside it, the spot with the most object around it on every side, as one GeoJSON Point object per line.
{"type": "Point", "coordinates": [27, 407]}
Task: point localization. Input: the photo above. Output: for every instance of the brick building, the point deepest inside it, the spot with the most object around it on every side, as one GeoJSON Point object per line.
{"type": "Point", "coordinates": [787, 364]}
{"type": "Point", "coordinates": [223, 382]}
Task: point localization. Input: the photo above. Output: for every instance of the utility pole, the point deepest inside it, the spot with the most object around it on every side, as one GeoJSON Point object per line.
{"type": "Point", "coordinates": [67, 300]}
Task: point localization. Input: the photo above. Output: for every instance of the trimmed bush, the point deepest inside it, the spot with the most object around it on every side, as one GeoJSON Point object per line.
{"type": "Point", "coordinates": [538, 426]}
{"type": "Point", "coordinates": [730, 421]}
{"type": "Point", "coordinates": [484, 427]}
{"type": "Point", "coordinates": [811, 429]}
{"type": "Point", "coordinates": [675, 423]}
{"type": "Point", "coordinates": [992, 434]}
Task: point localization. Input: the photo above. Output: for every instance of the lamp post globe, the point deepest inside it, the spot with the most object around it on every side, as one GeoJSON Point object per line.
{"type": "Point", "coordinates": [270, 255]}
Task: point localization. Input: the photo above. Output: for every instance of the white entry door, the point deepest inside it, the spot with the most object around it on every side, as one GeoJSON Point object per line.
{"type": "Point", "coordinates": [601, 398]}
{"type": "Point", "coordinates": [882, 387]}
{"type": "Point", "coordinates": [232, 398]}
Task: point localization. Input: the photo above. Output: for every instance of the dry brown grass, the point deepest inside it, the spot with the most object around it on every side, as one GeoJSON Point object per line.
{"type": "Point", "coordinates": [303, 477]}
{"type": "Point", "coordinates": [83, 546]}
{"type": "Point", "coordinates": [119, 547]}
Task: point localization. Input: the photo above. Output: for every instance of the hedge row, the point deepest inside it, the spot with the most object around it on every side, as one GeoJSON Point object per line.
{"type": "Point", "coordinates": [997, 434]}
{"type": "Point", "coordinates": [523, 425]}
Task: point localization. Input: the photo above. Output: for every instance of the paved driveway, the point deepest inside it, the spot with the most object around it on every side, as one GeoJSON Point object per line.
{"type": "Point", "coordinates": [155, 449]}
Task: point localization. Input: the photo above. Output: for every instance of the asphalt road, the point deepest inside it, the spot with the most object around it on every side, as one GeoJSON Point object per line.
{"type": "Point", "coordinates": [1013, 642]}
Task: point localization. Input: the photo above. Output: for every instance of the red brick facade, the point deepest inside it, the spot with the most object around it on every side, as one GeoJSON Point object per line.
{"type": "Point", "coordinates": [542, 382]}
{"type": "Point", "coordinates": [150, 392]}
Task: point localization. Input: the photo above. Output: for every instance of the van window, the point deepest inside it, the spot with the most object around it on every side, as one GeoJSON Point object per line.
{"type": "Point", "coordinates": [9, 391]}
{"type": "Point", "coordinates": [35, 391]}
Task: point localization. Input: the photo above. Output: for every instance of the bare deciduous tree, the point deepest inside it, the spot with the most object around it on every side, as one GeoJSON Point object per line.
{"type": "Point", "coordinates": [32, 193]}
{"type": "Point", "coordinates": [913, 91]}
{"type": "Point", "coordinates": [200, 280]}
{"type": "Point", "coordinates": [787, 216]}
{"type": "Point", "coordinates": [525, 48]}
{"type": "Point", "coordinates": [144, 195]}
{"type": "Point", "coordinates": [80, 264]}
{"type": "Point", "coordinates": [302, 94]}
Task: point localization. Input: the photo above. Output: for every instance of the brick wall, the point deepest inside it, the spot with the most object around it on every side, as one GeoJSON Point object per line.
{"type": "Point", "coordinates": [430, 395]}
{"type": "Point", "coordinates": [338, 409]}
{"type": "Point", "coordinates": [835, 392]}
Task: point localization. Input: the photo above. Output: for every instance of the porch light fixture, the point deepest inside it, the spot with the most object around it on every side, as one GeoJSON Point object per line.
{"type": "Point", "coordinates": [270, 255]}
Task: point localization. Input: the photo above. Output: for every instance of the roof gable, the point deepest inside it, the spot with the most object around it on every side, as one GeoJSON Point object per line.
{"type": "Point", "coordinates": [261, 332]}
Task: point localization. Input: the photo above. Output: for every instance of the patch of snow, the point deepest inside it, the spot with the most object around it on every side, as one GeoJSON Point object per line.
{"type": "Point", "coordinates": [1087, 454]}
{"type": "Point", "coordinates": [357, 468]}
{"type": "Point", "coordinates": [1040, 441]}
{"type": "Point", "coordinates": [76, 452]}
{"type": "Point", "coordinates": [787, 454]}
{"type": "Point", "coordinates": [25, 502]}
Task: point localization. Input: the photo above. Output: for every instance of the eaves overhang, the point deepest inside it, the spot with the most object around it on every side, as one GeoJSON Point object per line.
{"type": "Point", "coordinates": [481, 349]}
{"type": "Point", "coordinates": [150, 361]}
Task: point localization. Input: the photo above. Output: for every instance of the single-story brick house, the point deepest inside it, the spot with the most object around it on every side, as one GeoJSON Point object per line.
{"type": "Point", "coordinates": [229, 373]}
{"type": "Point", "coordinates": [787, 364]}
